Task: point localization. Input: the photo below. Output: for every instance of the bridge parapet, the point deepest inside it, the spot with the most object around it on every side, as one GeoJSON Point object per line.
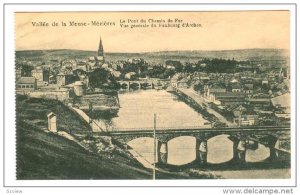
{"type": "Point", "coordinates": [261, 134]}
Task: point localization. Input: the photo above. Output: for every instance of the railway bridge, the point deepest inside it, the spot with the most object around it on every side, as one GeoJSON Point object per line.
{"type": "Point", "coordinates": [276, 138]}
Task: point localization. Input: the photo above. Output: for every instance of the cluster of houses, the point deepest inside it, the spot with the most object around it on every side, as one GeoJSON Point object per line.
{"type": "Point", "coordinates": [61, 78]}
{"type": "Point", "coordinates": [244, 98]}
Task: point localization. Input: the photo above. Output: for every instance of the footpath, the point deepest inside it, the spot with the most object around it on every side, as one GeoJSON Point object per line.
{"type": "Point", "coordinates": [200, 100]}
{"type": "Point", "coordinates": [96, 125]}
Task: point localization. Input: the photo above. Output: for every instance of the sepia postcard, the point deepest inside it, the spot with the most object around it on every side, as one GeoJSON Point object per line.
{"type": "Point", "coordinates": [153, 95]}
{"type": "Point", "coordinates": [89, 85]}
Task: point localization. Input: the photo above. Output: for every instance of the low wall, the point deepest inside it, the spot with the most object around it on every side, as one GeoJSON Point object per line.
{"type": "Point", "coordinates": [61, 95]}
{"type": "Point", "coordinates": [98, 100]}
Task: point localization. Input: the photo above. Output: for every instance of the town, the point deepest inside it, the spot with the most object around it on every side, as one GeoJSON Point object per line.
{"type": "Point", "coordinates": [231, 92]}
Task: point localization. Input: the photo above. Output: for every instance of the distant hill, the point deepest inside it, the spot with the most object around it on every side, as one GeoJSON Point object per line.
{"type": "Point", "coordinates": [161, 57]}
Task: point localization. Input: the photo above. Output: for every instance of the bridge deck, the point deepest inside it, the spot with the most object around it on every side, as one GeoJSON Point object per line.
{"type": "Point", "coordinates": [197, 130]}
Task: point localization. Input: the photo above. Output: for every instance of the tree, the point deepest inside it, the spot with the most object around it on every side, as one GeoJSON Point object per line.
{"type": "Point", "coordinates": [102, 78]}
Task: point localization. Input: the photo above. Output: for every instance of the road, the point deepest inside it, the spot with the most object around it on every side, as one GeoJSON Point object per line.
{"type": "Point", "coordinates": [96, 125]}
{"type": "Point", "coordinates": [200, 100]}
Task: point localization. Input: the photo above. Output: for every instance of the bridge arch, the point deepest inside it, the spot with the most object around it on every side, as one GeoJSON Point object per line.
{"type": "Point", "coordinates": [241, 140]}
{"type": "Point", "coordinates": [124, 85]}
{"type": "Point", "coordinates": [220, 149]}
{"type": "Point", "coordinates": [257, 154]}
{"type": "Point", "coordinates": [181, 150]}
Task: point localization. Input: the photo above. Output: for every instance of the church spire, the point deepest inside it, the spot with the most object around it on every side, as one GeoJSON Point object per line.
{"type": "Point", "coordinates": [100, 49]}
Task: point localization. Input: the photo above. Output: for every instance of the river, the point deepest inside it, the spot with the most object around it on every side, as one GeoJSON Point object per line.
{"type": "Point", "coordinates": [137, 109]}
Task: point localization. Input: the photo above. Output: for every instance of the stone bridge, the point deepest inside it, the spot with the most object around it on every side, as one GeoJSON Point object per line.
{"type": "Point", "coordinates": [243, 138]}
{"type": "Point", "coordinates": [149, 83]}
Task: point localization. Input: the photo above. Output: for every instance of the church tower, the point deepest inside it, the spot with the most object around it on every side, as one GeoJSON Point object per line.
{"type": "Point", "coordinates": [100, 49]}
{"type": "Point", "coordinates": [100, 57]}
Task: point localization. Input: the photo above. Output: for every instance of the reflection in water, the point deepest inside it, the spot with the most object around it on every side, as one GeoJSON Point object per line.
{"type": "Point", "coordinates": [138, 107]}
{"type": "Point", "coordinates": [181, 150]}
{"type": "Point", "coordinates": [220, 149]}
{"type": "Point", "coordinates": [258, 155]}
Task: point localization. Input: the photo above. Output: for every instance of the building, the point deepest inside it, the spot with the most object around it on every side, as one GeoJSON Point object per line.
{"type": "Point", "coordinates": [41, 75]}
{"type": "Point", "coordinates": [248, 88]}
{"type": "Point", "coordinates": [64, 79]}
{"type": "Point", "coordinates": [183, 83]}
{"type": "Point", "coordinates": [37, 73]}
{"type": "Point", "coordinates": [204, 79]}
{"type": "Point", "coordinates": [210, 91]}
{"type": "Point", "coordinates": [243, 117]}
{"type": "Point", "coordinates": [236, 87]}
{"type": "Point", "coordinates": [26, 83]}
{"type": "Point", "coordinates": [227, 98]}
{"type": "Point", "coordinates": [19, 73]}
{"type": "Point", "coordinates": [116, 74]}
{"type": "Point", "coordinates": [130, 76]}
{"type": "Point", "coordinates": [52, 122]}
{"type": "Point", "coordinates": [81, 66]}
{"type": "Point", "coordinates": [264, 82]}
{"type": "Point", "coordinates": [174, 80]}
{"type": "Point", "coordinates": [79, 88]}
{"type": "Point", "coordinates": [282, 102]}
{"type": "Point", "coordinates": [260, 102]}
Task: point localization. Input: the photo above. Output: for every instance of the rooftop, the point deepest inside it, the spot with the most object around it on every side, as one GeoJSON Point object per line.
{"type": "Point", "coordinates": [229, 94]}
{"type": "Point", "coordinates": [282, 100]}
{"type": "Point", "coordinates": [26, 80]}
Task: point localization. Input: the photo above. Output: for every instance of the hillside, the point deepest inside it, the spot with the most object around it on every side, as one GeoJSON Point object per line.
{"type": "Point", "coordinates": [160, 57]}
{"type": "Point", "coordinates": [45, 155]}
{"type": "Point", "coordinates": [42, 155]}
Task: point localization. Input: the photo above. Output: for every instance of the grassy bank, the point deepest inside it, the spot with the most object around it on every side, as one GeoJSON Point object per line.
{"type": "Point", "coordinates": [42, 155]}
{"type": "Point", "coordinates": [35, 110]}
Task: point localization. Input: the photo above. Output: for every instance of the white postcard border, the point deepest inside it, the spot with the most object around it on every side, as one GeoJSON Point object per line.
{"type": "Point", "coordinates": [9, 115]}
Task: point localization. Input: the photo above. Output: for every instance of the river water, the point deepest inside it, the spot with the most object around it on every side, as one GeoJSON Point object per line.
{"type": "Point", "coordinates": [138, 107]}
{"type": "Point", "coordinates": [137, 111]}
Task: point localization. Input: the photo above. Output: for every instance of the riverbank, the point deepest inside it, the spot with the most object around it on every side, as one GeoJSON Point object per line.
{"type": "Point", "coordinates": [197, 107]}
{"type": "Point", "coordinates": [197, 102]}
{"type": "Point", "coordinates": [96, 125]}
{"type": "Point", "coordinates": [102, 104]}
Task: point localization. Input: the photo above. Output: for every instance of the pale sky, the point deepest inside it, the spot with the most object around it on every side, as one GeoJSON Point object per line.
{"type": "Point", "coordinates": [219, 31]}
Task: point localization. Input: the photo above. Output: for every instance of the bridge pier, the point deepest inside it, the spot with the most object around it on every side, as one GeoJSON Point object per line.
{"type": "Point", "coordinates": [240, 151]}
{"type": "Point", "coordinates": [271, 144]}
{"type": "Point", "coordinates": [163, 152]}
{"type": "Point", "coordinates": [242, 138]}
{"type": "Point", "coordinates": [201, 151]}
